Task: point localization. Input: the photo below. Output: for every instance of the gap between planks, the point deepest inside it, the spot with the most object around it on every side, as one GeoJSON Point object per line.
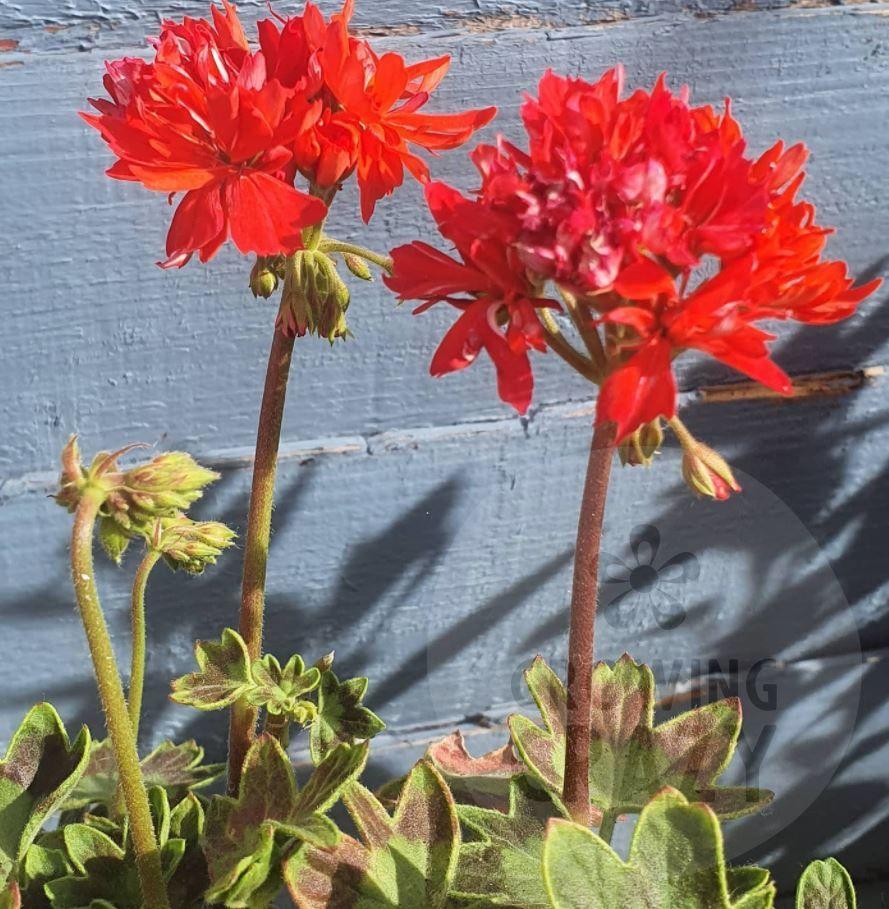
{"type": "Point", "coordinates": [834, 383]}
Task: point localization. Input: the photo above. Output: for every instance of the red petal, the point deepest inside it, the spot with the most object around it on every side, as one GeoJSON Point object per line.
{"type": "Point", "coordinates": [639, 391]}
{"type": "Point", "coordinates": [198, 223]}
{"type": "Point", "coordinates": [267, 216]}
{"type": "Point", "coordinates": [645, 280]}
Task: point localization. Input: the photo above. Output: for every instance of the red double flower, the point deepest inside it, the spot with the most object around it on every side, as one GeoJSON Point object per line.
{"type": "Point", "coordinates": [620, 202]}
{"type": "Point", "coordinates": [232, 128]}
{"type": "Point", "coordinates": [489, 285]}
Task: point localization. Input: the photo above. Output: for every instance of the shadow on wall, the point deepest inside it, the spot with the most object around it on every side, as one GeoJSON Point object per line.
{"type": "Point", "coordinates": [816, 477]}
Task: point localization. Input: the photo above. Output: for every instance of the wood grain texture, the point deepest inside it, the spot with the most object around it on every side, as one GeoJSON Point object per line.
{"type": "Point", "coordinates": [99, 340]}
{"type": "Point", "coordinates": [422, 529]}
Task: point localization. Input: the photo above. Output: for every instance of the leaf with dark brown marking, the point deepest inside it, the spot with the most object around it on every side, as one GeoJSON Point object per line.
{"type": "Point", "coordinates": [404, 861]}
{"type": "Point", "coordinates": [40, 770]}
{"type": "Point", "coordinates": [247, 837]}
{"type": "Point", "coordinates": [630, 758]}
{"type": "Point", "coordinates": [503, 863]}
{"type": "Point", "coordinates": [175, 768]}
{"type": "Point", "coordinates": [223, 674]}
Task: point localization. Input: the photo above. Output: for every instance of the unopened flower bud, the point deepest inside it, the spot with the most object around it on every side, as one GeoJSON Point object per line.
{"type": "Point", "coordinates": [324, 663]}
{"type": "Point", "coordinates": [640, 447]}
{"type": "Point", "coordinates": [163, 487]}
{"type": "Point", "coordinates": [263, 278]}
{"type": "Point", "coordinates": [706, 472]}
{"type": "Point", "coordinates": [190, 545]}
{"type": "Point", "coordinates": [73, 477]}
{"type": "Point", "coordinates": [358, 267]}
{"type": "Point", "coordinates": [315, 298]}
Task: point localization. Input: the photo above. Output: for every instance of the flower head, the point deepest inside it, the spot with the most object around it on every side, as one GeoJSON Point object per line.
{"type": "Point", "coordinates": [204, 118]}
{"type": "Point", "coordinates": [232, 127]}
{"type": "Point", "coordinates": [629, 204]}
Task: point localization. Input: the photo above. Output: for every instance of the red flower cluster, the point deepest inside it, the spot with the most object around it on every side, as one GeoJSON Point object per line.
{"type": "Point", "coordinates": [618, 201]}
{"type": "Point", "coordinates": [231, 127]}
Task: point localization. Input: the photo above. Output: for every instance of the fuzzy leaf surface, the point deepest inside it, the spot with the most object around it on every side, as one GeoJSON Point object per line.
{"type": "Point", "coordinates": [675, 860]}
{"type": "Point", "coordinates": [175, 768]}
{"type": "Point", "coordinates": [104, 873]}
{"type": "Point", "coordinates": [825, 885]}
{"type": "Point", "coordinates": [223, 674]}
{"type": "Point", "coordinates": [342, 718]}
{"type": "Point", "coordinates": [631, 759]}
{"type": "Point", "coordinates": [404, 861]}
{"type": "Point", "coordinates": [245, 838]}
{"type": "Point", "coordinates": [40, 769]}
{"type": "Point", "coordinates": [504, 863]}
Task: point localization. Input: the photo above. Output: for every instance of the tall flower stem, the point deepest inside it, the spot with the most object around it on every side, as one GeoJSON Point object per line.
{"type": "Point", "coordinates": [576, 793]}
{"type": "Point", "coordinates": [114, 705]}
{"type": "Point", "coordinates": [137, 624]}
{"type": "Point", "coordinates": [256, 546]}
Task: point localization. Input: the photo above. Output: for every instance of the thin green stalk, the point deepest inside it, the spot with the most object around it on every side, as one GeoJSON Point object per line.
{"type": "Point", "coordinates": [242, 723]}
{"type": "Point", "coordinates": [581, 637]}
{"type": "Point", "coordinates": [352, 249]}
{"type": "Point", "coordinates": [137, 622]}
{"type": "Point", "coordinates": [561, 346]}
{"type": "Point", "coordinates": [606, 828]}
{"type": "Point", "coordinates": [123, 742]}
{"type": "Point", "coordinates": [587, 331]}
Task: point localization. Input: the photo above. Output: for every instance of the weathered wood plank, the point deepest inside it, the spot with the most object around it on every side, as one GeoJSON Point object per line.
{"type": "Point", "coordinates": [43, 26]}
{"type": "Point", "coordinates": [99, 340]}
{"type": "Point", "coordinates": [437, 561]}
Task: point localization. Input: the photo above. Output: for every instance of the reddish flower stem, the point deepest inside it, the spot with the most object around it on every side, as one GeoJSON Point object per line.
{"type": "Point", "coordinates": [242, 724]}
{"type": "Point", "coordinates": [576, 792]}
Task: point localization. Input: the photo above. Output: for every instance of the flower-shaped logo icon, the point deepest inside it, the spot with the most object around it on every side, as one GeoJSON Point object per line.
{"type": "Point", "coordinates": [643, 585]}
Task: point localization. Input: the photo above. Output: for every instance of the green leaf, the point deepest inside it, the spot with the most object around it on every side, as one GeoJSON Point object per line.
{"type": "Point", "coordinates": [675, 860]}
{"type": "Point", "coordinates": [247, 837]}
{"type": "Point", "coordinates": [10, 897]}
{"type": "Point", "coordinates": [45, 861]}
{"type": "Point", "coordinates": [223, 674]}
{"type": "Point", "coordinates": [825, 885]}
{"type": "Point", "coordinates": [175, 768]}
{"type": "Point", "coordinates": [342, 718]}
{"type": "Point", "coordinates": [401, 862]}
{"type": "Point", "coordinates": [630, 758]}
{"type": "Point", "coordinates": [100, 871]}
{"type": "Point", "coordinates": [189, 880]}
{"type": "Point", "coordinates": [281, 691]}
{"type": "Point", "coordinates": [503, 864]}
{"type": "Point", "coordinates": [40, 769]}
{"type": "Point", "coordinates": [483, 780]}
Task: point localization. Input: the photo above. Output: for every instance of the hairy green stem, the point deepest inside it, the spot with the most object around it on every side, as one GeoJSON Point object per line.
{"type": "Point", "coordinates": [242, 724]}
{"type": "Point", "coordinates": [278, 725]}
{"type": "Point", "coordinates": [581, 638]}
{"type": "Point", "coordinates": [137, 623]}
{"type": "Point", "coordinates": [114, 704]}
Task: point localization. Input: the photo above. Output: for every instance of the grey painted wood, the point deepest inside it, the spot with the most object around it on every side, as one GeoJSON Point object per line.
{"type": "Point", "coordinates": [421, 529]}
{"type": "Point", "coordinates": [99, 340]}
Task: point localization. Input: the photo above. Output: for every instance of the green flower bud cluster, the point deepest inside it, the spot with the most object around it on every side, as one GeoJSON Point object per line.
{"type": "Point", "coordinates": [265, 275]}
{"type": "Point", "coordinates": [189, 545]}
{"type": "Point", "coordinates": [134, 500]}
{"type": "Point", "coordinates": [315, 298]}
{"type": "Point", "coordinates": [640, 447]}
